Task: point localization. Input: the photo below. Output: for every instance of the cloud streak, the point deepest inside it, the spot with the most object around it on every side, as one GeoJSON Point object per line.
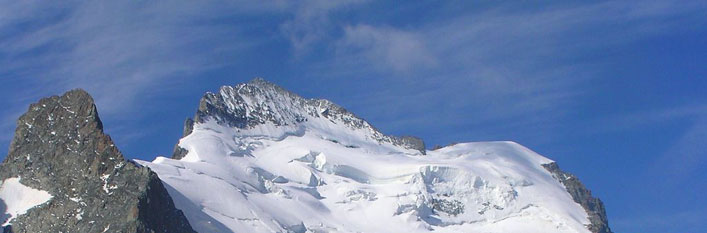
{"type": "Point", "coordinates": [391, 48]}
{"type": "Point", "coordinates": [116, 51]}
{"type": "Point", "coordinates": [310, 22]}
{"type": "Point", "coordinates": [501, 66]}
{"type": "Point", "coordinates": [121, 52]}
{"type": "Point", "coordinates": [686, 159]}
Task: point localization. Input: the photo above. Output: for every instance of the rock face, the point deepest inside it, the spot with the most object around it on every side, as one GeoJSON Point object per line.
{"type": "Point", "coordinates": [259, 102]}
{"type": "Point", "coordinates": [582, 195]}
{"type": "Point", "coordinates": [60, 147]}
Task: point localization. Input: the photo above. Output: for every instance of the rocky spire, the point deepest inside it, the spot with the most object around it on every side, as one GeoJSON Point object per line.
{"type": "Point", "coordinates": [60, 147]}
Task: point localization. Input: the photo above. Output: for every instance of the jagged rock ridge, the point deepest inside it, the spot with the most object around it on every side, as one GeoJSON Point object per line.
{"type": "Point", "coordinates": [260, 102]}
{"type": "Point", "coordinates": [60, 147]}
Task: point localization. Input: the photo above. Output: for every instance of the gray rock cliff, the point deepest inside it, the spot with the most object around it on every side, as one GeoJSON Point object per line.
{"type": "Point", "coordinates": [580, 194]}
{"type": "Point", "coordinates": [60, 147]}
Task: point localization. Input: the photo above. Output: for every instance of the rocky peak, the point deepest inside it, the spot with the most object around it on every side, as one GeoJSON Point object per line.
{"type": "Point", "coordinates": [53, 131]}
{"type": "Point", "coordinates": [60, 147]}
{"type": "Point", "coordinates": [249, 105]}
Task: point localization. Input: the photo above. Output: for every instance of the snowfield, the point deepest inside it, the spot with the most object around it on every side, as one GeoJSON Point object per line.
{"type": "Point", "coordinates": [16, 199]}
{"type": "Point", "coordinates": [324, 177]}
{"type": "Point", "coordinates": [262, 159]}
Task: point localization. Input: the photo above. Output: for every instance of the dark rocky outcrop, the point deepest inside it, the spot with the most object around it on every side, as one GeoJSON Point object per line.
{"type": "Point", "coordinates": [592, 205]}
{"type": "Point", "coordinates": [179, 152]}
{"type": "Point", "coordinates": [412, 142]}
{"type": "Point", "coordinates": [60, 147]}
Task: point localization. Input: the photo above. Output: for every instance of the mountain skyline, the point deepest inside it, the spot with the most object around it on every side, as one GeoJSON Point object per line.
{"type": "Point", "coordinates": [256, 147]}
{"type": "Point", "coordinates": [613, 91]}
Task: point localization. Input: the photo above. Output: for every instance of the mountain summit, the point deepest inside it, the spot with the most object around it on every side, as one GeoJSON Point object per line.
{"type": "Point", "coordinates": [64, 174]}
{"type": "Point", "coordinates": [258, 158]}
{"type": "Point", "coordinates": [261, 108]}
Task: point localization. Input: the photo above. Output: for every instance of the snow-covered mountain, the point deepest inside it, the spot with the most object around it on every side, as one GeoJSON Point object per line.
{"type": "Point", "coordinates": [258, 158]}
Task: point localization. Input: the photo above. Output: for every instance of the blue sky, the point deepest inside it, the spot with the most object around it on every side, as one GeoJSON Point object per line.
{"type": "Point", "coordinates": [614, 91]}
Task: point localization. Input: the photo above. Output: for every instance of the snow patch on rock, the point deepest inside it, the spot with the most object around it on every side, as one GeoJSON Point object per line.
{"type": "Point", "coordinates": [16, 199]}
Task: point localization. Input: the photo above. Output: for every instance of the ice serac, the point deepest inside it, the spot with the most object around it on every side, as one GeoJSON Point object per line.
{"type": "Point", "coordinates": [60, 149]}
{"type": "Point", "coordinates": [580, 194]}
{"type": "Point", "coordinates": [258, 158]}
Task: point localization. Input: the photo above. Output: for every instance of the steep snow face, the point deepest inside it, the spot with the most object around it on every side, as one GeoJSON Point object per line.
{"type": "Point", "coordinates": [17, 198]}
{"type": "Point", "coordinates": [321, 177]}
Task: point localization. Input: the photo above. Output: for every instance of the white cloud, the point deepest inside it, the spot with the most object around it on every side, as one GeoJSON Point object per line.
{"type": "Point", "coordinates": [116, 51]}
{"type": "Point", "coordinates": [498, 66]}
{"type": "Point", "coordinates": [310, 22]}
{"type": "Point", "coordinates": [127, 52]}
{"type": "Point", "coordinates": [121, 52]}
{"type": "Point", "coordinates": [394, 49]}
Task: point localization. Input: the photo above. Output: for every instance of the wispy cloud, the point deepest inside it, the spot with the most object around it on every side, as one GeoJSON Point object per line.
{"type": "Point", "coordinates": [310, 22]}
{"type": "Point", "coordinates": [684, 157]}
{"type": "Point", "coordinates": [632, 120]}
{"type": "Point", "coordinates": [687, 157]}
{"type": "Point", "coordinates": [121, 52]}
{"type": "Point", "coordinates": [453, 71]}
{"type": "Point", "coordinates": [117, 51]}
{"type": "Point", "coordinates": [509, 64]}
{"type": "Point", "coordinates": [124, 53]}
{"type": "Point", "coordinates": [391, 48]}
{"type": "Point", "coordinates": [506, 65]}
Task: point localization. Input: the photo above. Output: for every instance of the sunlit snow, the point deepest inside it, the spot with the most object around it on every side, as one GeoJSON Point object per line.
{"type": "Point", "coordinates": [16, 199]}
{"type": "Point", "coordinates": [329, 178]}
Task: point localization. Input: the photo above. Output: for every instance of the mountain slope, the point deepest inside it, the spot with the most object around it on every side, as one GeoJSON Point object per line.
{"type": "Point", "coordinates": [63, 174]}
{"type": "Point", "coordinates": [258, 158]}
